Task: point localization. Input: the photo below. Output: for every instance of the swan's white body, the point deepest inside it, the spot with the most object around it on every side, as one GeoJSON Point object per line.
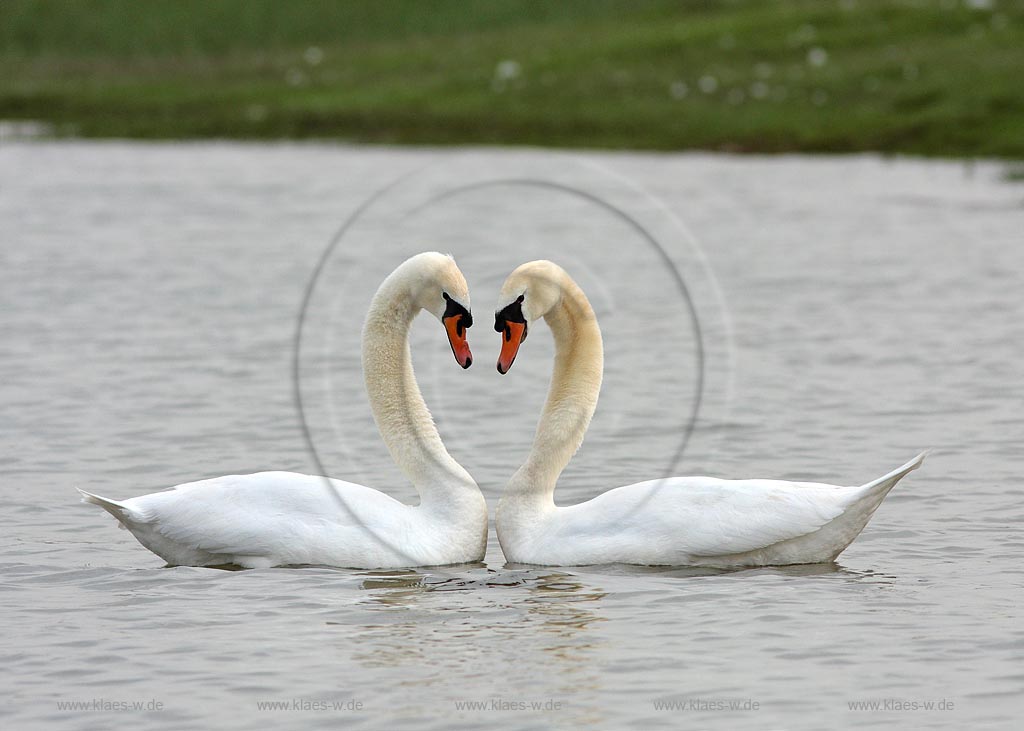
{"type": "Point", "coordinates": [290, 519]}
{"type": "Point", "coordinates": [678, 521]}
{"type": "Point", "coordinates": [695, 521]}
{"type": "Point", "coordinates": [284, 518]}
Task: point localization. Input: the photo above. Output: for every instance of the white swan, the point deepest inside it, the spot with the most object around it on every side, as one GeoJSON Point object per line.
{"type": "Point", "coordinates": [283, 518]}
{"type": "Point", "coordinates": [695, 521]}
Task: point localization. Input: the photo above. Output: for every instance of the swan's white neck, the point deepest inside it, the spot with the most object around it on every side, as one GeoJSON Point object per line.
{"type": "Point", "coordinates": [572, 397]}
{"type": "Point", "coordinates": [401, 415]}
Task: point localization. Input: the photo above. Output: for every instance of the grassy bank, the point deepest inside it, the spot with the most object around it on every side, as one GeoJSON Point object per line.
{"type": "Point", "coordinates": [933, 77]}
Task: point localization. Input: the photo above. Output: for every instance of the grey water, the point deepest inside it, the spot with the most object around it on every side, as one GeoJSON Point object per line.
{"type": "Point", "coordinates": [831, 317]}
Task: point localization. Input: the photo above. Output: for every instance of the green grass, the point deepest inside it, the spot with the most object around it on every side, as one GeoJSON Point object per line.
{"type": "Point", "coordinates": [931, 77]}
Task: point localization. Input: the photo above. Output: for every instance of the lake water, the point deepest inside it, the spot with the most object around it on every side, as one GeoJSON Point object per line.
{"type": "Point", "coordinates": [852, 312]}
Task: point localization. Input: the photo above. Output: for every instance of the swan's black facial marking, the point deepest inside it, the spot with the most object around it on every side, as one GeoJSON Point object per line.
{"type": "Point", "coordinates": [511, 313]}
{"type": "Point", "coordinates": [512, 324]}
{"type": "Point", "coordinates": [456, 320]}
{"type": "Point", "coordinates": [454, 309]}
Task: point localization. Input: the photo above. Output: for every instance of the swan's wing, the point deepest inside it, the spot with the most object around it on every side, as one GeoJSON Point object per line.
{"type": "Point", "coordinates": [704, 516]}
{"type": "Point", "coordinates": [265, 514]}
{"type": "Point", "coordinates": [736, 516]}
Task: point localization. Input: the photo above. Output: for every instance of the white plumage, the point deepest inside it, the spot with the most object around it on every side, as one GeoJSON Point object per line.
{"type": "Point", "coordinates": [285, 518]}
{"type": "Point", "coordinates": [705, 521]}
{"type": "Point", "coordinates": [676, 521]}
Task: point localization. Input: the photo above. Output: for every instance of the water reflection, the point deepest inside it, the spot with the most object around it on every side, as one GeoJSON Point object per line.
{"type": "Point", "coordinates": [828, 568]}
{"type": "Point", "coordinates": [682, 572]}
{"type": "Point", "coordinates": [561, 601]}
{"type": "Point", "coordinates": [563, 610]}
{"type": "Point", "coordinates": [400, 579]}
{"type": "Point", "coordinates": [540, 621]}
{"type": "Point", "coordinates": [561, 589]}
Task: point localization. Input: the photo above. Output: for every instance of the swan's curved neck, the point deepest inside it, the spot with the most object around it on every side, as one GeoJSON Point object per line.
{"type": "Point", "coordinates": [401, 415]}
{"type": "Point", "coordinates": [572, 396]}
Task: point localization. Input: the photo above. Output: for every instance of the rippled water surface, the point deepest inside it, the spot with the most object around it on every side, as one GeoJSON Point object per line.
{"type": "Point", "coordinates": [148, 304]}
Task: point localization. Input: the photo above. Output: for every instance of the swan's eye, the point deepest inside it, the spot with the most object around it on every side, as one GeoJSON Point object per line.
{"type": "Point", "coordinates": [521, 298]}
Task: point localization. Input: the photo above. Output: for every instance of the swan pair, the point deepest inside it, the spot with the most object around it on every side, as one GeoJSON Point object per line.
{"type": "Point", "coordinates": [284, 519]}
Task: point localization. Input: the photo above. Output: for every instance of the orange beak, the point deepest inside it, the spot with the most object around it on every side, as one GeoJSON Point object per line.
{"type": "Point", "coordinates": [457, 339]}
{"type": "Point", "coordinates": [514, 333]}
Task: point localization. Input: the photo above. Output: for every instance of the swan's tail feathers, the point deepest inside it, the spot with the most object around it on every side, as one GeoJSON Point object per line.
{"type": "Point", "coordinates": [864, 501]}
{"type": "Point", "coordinates": [882, 485]}
{"type": "Point", "coordinates": [119, 510]}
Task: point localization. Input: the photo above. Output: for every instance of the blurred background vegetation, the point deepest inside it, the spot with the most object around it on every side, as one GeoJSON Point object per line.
{"type": "Point", "coordinates": [932, 77]}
